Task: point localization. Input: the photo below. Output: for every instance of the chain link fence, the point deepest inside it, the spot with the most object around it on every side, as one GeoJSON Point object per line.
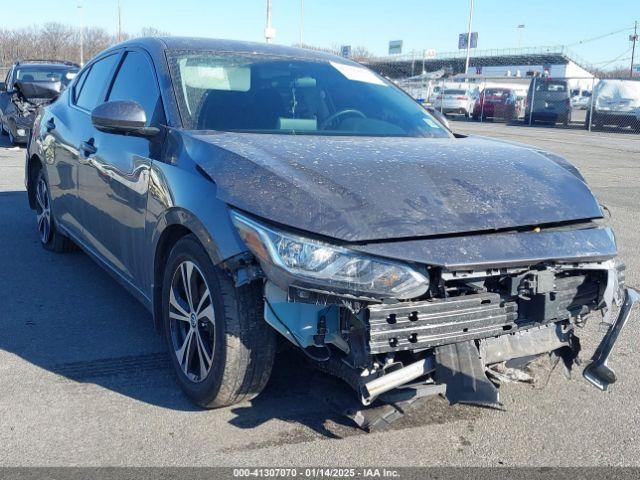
{"type": "Point", "coordinates": [547, 85]}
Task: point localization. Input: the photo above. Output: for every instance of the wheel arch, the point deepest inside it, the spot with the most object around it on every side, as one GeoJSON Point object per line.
{"type": "Point", "coordinates": [34, 164]}
{"type": "Point", "coordinates": [174, 225]}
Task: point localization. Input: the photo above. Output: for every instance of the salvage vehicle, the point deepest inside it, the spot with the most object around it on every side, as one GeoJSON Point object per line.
{"type": "Point", "coordinates": [497, 103]}
{"type": "Point", "coordinates": [548, 101]}
{"type": "Point", "coordinates": [455, 101]}
{"type": "Point", "coordinates": [615, 103]}
{"type": "Point", "coordinates": [580, 99]}
{"type": "Point", "coordinates": [29, 85]}
{"type": "Point", "coordinates": [247, 192]}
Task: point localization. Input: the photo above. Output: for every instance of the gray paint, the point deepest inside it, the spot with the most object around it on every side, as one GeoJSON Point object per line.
{"type": "Point", "coordinates": [119, 200]}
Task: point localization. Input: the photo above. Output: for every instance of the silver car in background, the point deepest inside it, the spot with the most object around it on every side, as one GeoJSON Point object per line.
{"type": "Point", "coordinates": [455, 101]}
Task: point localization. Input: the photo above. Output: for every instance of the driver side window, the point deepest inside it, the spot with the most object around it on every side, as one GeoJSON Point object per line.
{"type": "Point", "coordinates": [92, 92]}
{"type": "Point", "coordinates": [135, 81]}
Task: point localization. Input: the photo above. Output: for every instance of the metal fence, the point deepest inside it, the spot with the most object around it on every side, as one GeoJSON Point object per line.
{"type": "Point", "coordinates": [550, 85]}
{"type": "Point", "coordinates": [611, 104]}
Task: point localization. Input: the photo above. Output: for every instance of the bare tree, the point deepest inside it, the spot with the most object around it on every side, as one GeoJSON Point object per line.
{"type": "Point", "coordinates": [59, 42]}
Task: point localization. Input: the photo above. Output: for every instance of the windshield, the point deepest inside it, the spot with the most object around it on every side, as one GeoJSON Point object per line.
{"type": "Point", "coordinates": [550, 86]}
{"type": "Point", "coordinates": [46, 74]}
{"type": "Point", "coordinates": [492, 92]}
{"type": "Point", "coordinates": [265, 94]}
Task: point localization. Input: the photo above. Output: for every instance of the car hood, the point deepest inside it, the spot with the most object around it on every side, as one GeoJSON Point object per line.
{"type": "Point", "coordinates": [359, 189]}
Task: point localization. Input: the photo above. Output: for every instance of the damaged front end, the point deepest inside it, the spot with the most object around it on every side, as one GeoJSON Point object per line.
{"type": "Point", "coordinates": [27, 98]}
{"type": "Point", "coordinates": [458, 323]}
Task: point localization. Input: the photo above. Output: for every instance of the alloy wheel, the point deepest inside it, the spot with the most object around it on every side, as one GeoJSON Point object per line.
{"type": "Point", "coordinates": [192, 321]}
{"type": "Point", "coordinates": [43, 211]}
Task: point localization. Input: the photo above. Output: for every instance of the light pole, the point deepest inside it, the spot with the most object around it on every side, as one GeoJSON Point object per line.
{"type": "Point", "coordinates": [301, 20]}
{"type": "Point", "coordinates": [119, 22]}
{"type": "Point", "coordinates": [520, 30]}
{"type": "Point", "coordinates": [634, 39]}
{"type": "Point", "coordinates": [269, 31]}
{"type": "Point", "coordinates": [466, 65]}
{"type": "Point", "coordinates": [81, 35]}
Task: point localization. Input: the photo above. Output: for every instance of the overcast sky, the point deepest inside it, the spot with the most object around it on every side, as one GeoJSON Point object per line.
{"type": "Point", "coordinates": [421, 24]}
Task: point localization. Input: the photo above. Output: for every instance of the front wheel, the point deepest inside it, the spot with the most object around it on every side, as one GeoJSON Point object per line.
{"type": "Point", "coordinates": [221, 348]}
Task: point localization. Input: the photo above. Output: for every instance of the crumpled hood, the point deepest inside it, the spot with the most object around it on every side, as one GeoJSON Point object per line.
{"type": "Point", "coordinates": [366, 189]}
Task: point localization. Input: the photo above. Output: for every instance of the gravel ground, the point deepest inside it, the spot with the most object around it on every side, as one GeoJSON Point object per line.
{"type": "Point", "coordinates": [84, 378]}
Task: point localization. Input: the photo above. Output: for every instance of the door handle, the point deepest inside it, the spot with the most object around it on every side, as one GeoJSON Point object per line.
{"type": "Point", "coordinates": [88, 148]}
{"type": "Point", "coordinates": [50, 125]}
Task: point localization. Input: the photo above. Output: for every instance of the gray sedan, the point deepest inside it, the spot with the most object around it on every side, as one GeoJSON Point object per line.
{"type": "Point", "coordinates": [250, 194]}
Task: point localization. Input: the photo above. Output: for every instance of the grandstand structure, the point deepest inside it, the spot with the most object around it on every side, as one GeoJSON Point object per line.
{"type": "Point", "coordinates": [554, 61]}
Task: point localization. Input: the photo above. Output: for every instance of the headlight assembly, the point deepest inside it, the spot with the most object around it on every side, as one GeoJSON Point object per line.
{"type": "Point", "coordinates": [328, 267]}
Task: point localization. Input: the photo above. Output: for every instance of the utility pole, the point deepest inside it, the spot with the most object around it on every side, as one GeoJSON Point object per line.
{"type": "Point", "coordinates": [119, 22]}
{"type": "Point", "coordinates": [301, 20]}
{"type": "Point", "coordinates": [634, 39]}
{"type": "Point", "coordinates": [466, 65]}
{"type": "Point", "coordinates": [81, 35]}
{"type": "Point", "coordinates": [269, 31]}
{"type": "Point", "coordinates": [520, 30]}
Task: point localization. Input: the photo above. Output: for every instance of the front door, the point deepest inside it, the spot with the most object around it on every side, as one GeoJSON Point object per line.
{"type": "Point", "coordinates": [65, 128]}
{"type": "Point", "coordinates": [114, 177]}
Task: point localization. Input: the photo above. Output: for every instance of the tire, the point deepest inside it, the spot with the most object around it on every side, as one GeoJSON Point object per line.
{"type": "Point", "coordinates": [2, 131]}
{"type": "Point", "coordinates": [12, 140]}
{"type": "Point", "coordinates": [230, 355]}
{"type": "Point", "coordinates": [50, 238]}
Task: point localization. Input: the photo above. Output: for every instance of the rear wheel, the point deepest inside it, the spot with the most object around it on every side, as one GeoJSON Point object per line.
{"type": "Point", "coordinates": [12, 140]}
{"type": "Point", "coordinates": [50, 238]}
{"type": "Point", "coordinates": [221, 348]}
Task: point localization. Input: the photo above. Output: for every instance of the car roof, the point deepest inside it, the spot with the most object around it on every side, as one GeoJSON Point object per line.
{"type": "Point", "coordinates": [45, 63]}
{"type": "Point", "coordinates": [231, 46]}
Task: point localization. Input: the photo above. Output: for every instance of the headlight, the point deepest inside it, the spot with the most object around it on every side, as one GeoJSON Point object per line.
{"type": "Point", "coordinates": [327, 266]}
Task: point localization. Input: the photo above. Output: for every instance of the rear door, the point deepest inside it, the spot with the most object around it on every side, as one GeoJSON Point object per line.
{"type": "Point", "coordinates": [66, 124]}
{"type": "Point", "coordinates": [114, 178]}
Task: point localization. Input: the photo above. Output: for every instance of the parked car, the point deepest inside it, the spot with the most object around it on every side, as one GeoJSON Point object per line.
{"type": "Point", "coordinates": [244, 192]}
{"type": "Point", "coordinates": [550, 102]}
{"type": "Point", "coordinates": [455, 101]}
{"type": "Point", "coordinates": [433, 94]}
{"type": "Point", "coordinates": [30, 84]}
{"type": "Point", "coordinates": [580, 99]}
{"type": "Point", "coordinates": [497, 103]}
{"type": "Point", "coordinates": [617, 103]}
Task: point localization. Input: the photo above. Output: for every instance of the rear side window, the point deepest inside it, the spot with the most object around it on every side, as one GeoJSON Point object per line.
{"type": "Point", "coordinates": [77, 86]}
{"type": "Point", "coordinates": [136, 82]}
{"type": "Point", "coordinates": [91, 93]}
{"type": "Point", "coordinates": [550, 86]}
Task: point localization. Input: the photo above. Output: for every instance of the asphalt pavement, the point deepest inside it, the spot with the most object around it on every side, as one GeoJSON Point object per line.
{"type": "Point", "coordinates": [84, 378]}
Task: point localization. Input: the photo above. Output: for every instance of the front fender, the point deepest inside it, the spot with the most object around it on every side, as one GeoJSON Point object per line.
{"type": "Point", "coordinates": [188, 199]}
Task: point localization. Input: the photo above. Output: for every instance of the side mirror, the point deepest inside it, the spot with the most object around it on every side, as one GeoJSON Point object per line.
{"type": "Point", "coordinates": [3, 87]}
{"type": "Point", "coordinates": [122, 118]}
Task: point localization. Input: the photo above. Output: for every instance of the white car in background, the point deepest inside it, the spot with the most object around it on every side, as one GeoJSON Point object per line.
{"type": "Point", "coordinates": [580, 99]}
{"type": "Point", "coordinates": [615, 103]}
{"type": "Point", "coordinates": [455, 101]}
